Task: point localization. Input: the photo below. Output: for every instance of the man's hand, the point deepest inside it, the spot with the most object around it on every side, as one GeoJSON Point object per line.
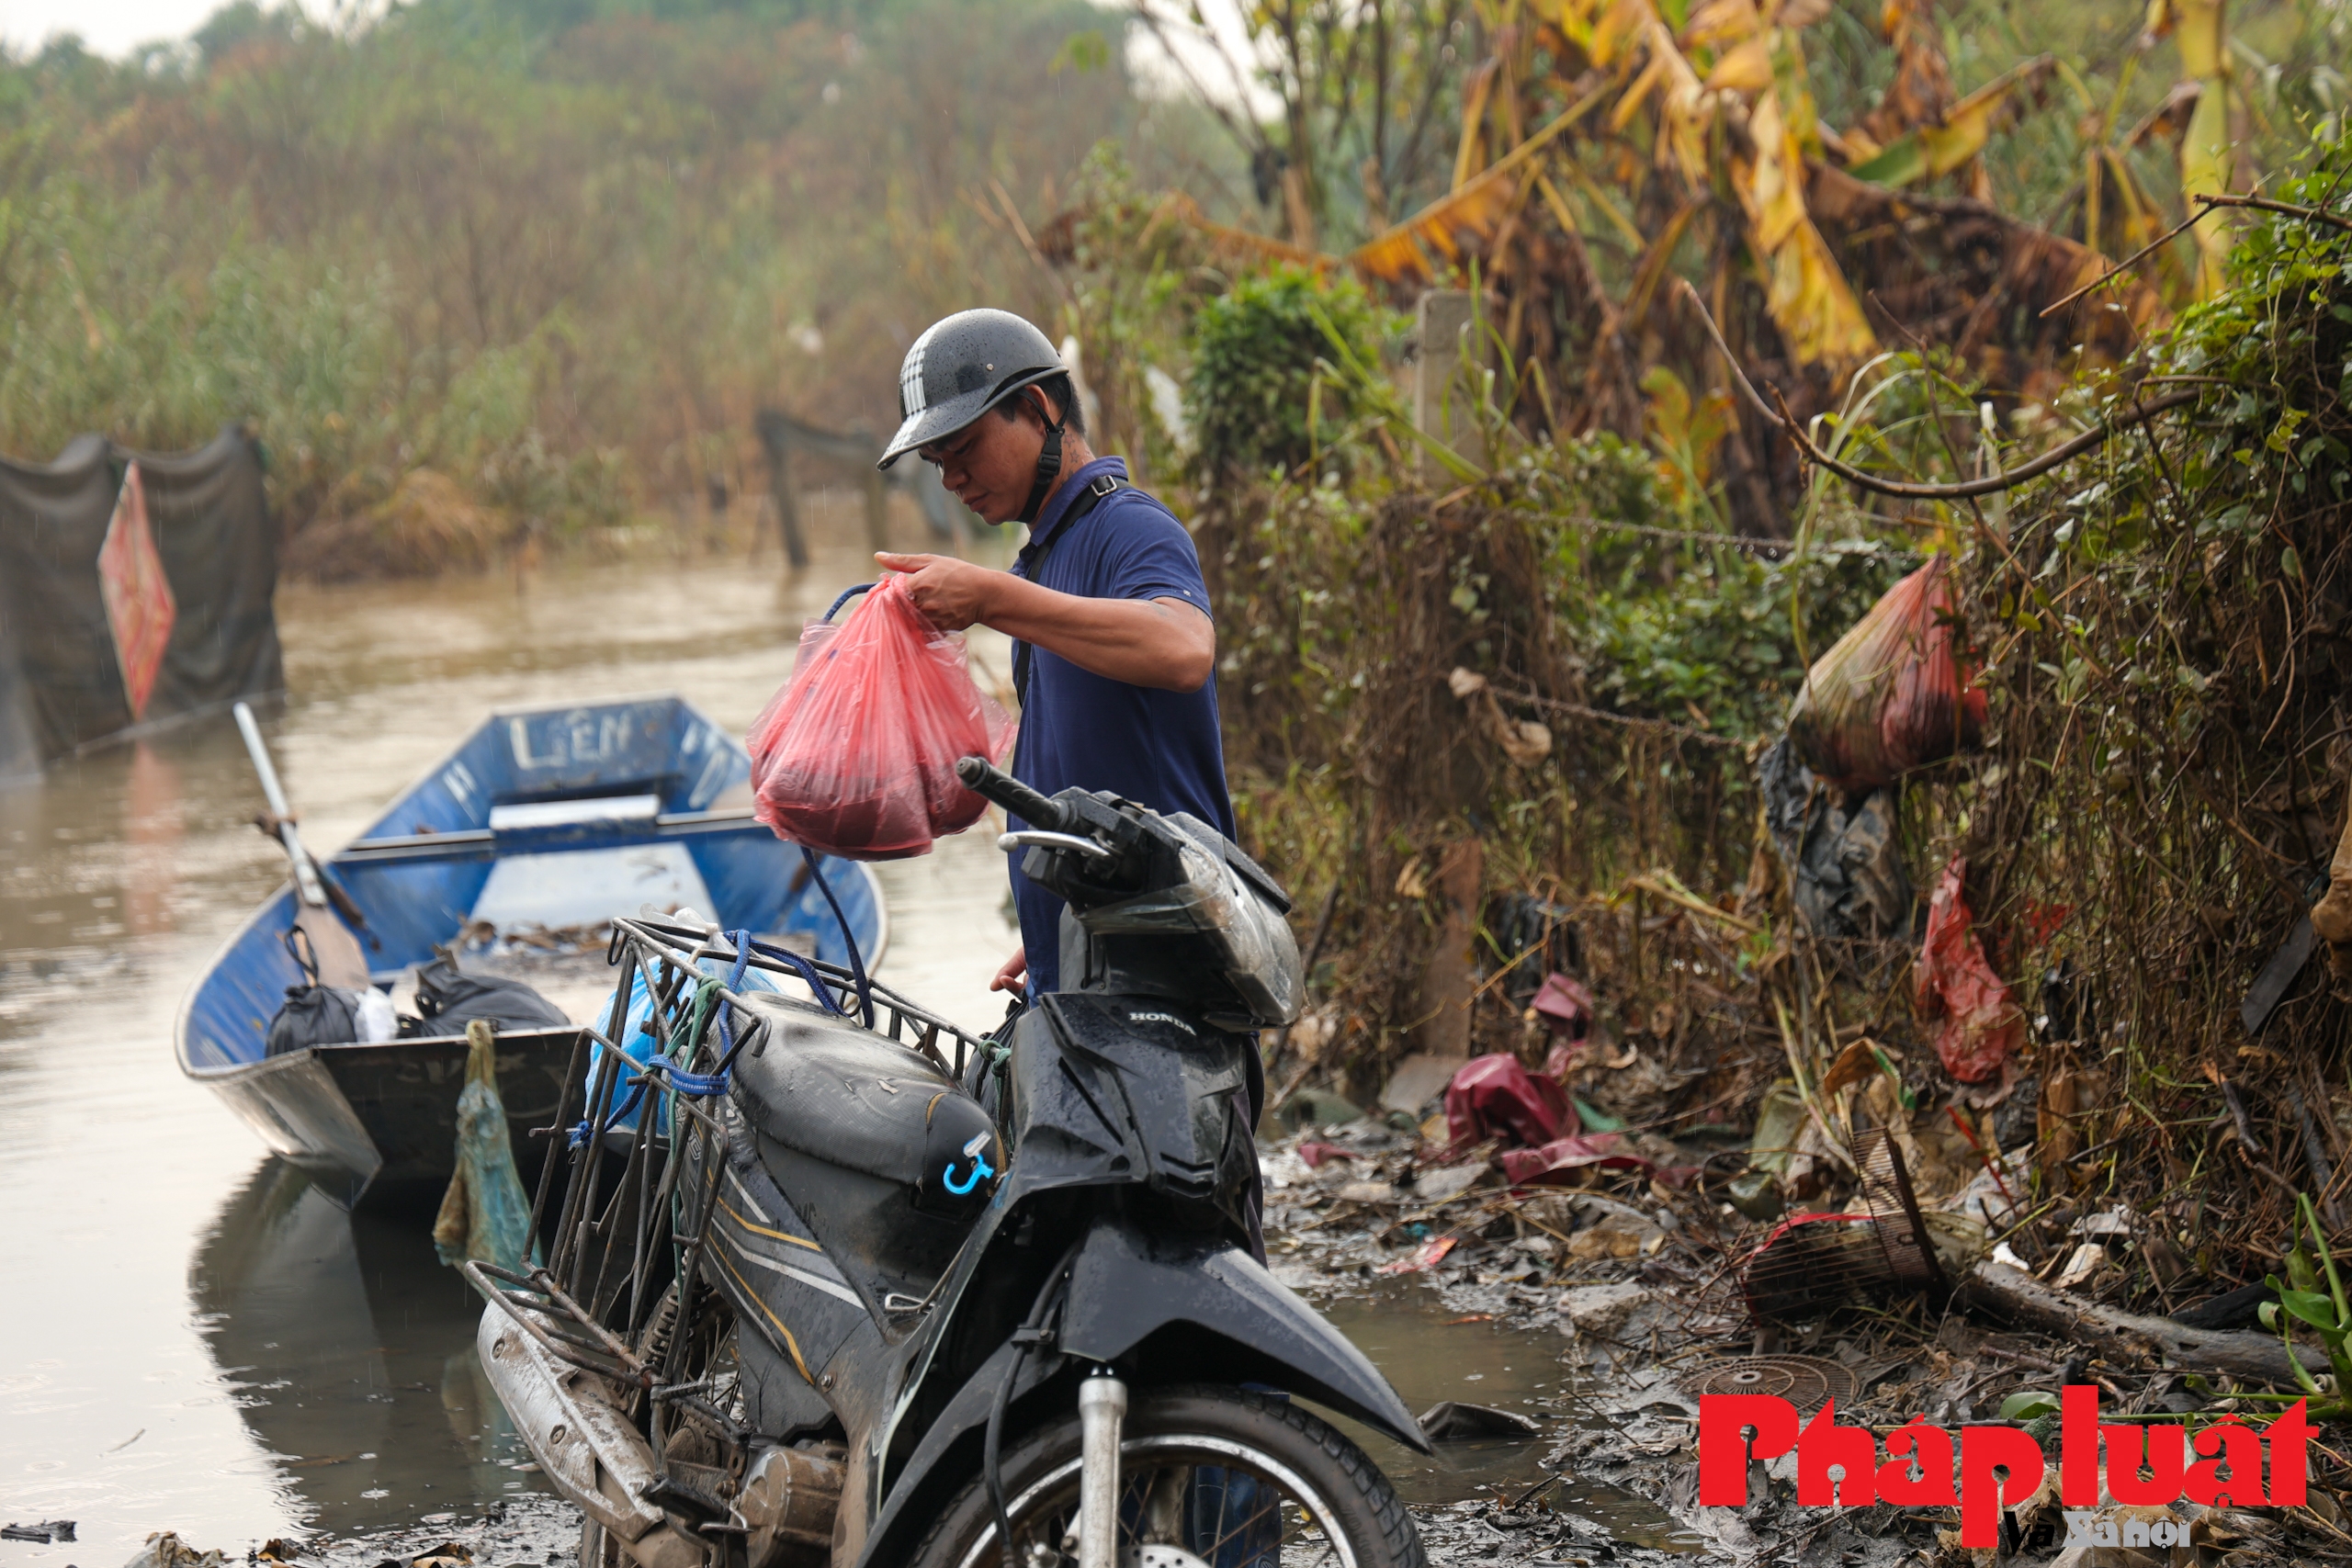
{"type": "Point", "coordinates": [953, 593]}
{"type": "Point", "coordinates": [1014, 976]}
{"type": "Point", "coordinates": [1163, 643]}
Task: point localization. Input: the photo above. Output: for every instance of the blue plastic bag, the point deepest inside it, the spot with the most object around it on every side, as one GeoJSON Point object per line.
{"type": "Point", "coordinates": [638, 1044]}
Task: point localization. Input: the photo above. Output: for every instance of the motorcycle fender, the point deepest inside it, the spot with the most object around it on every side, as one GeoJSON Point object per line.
{"type": "Point", "coordinates": [958, 1426]}
{"type": "Point", "coordinates": [586, 1447]}
{"type": "Point", "coordinates": [1127, 1287]}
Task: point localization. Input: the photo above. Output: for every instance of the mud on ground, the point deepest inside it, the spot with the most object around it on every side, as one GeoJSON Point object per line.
{"type": "Point", "coordinates": [1639, 1282]}
{"type": "Point", "coordinates": [1617, 1299]}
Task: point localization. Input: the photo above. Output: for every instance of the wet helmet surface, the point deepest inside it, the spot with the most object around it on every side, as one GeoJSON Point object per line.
{"type": "Point", "coordinates": [963, 365]}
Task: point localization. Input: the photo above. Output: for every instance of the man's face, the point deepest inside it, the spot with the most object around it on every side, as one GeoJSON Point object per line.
{"type": "Point", "coordinates": [991, 463]}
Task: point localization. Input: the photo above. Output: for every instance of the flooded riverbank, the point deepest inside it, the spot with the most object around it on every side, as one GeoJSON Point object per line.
{"type": "Point", "coordinates": [196, 1339]}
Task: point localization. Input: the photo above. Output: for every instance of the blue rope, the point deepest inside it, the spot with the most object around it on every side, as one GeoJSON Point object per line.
{"type": "Point", "coordinates": [857, 964]}
{"type": "Point", "coordinates": [742, 940]}
{"type": "Point", "coordinates": [700, 1085]}
{"type": "Point", "coordinates": [588, 1129]}
{"type": "Point", "coordinates": [808, 971]}
{"type": "Point", "coordinates": [703, 1085]}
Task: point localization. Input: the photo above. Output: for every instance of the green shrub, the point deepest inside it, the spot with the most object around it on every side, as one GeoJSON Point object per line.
{"type": "Point", "coordinates": [1719, 636]}
{"type": "Point", "coordinates": [1255, 356]}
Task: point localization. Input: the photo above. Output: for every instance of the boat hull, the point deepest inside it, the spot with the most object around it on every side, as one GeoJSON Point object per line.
{"type": "Point", "coordinates": [379, 1121]}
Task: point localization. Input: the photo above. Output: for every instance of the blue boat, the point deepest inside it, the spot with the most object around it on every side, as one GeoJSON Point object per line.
{"type": "Point", "coordinates": [544, 818]}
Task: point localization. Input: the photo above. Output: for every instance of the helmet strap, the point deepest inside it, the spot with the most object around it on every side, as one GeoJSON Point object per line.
{"type": "Point", "coordinates": [1049, 458]}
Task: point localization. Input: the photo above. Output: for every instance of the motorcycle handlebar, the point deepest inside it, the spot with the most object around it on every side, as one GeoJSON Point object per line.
{"type": "Point", "coordinates": [995, 784]}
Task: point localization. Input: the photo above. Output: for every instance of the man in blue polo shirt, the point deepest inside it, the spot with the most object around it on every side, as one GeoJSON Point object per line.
{"type": "Point", "coordinates": [1116, 654]}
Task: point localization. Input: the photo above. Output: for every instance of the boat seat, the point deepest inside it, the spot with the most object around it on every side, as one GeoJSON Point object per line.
{"type": "Point", "coordinates": [845, 1096]}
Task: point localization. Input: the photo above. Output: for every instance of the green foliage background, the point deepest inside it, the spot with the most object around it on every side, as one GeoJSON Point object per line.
{"type": "Point", "coordinates": [558, 252]}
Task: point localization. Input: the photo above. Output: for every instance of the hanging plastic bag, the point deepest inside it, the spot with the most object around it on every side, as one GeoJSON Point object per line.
{"type": "Point", "coordinates": [1983, 1027]}
{"type": "Point", "coordinates": [485, 1214]}
{"type": "Point", "coordinates": [856, 756]}
{"type": "Point", "coordinates": [1894, 693]}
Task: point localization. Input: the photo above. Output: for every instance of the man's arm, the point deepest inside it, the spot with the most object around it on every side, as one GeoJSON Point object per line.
{"type": "Point", "coordinates": [1165, 643]}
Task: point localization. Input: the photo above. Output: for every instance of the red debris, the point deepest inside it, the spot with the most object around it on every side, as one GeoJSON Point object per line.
{"type": "Point", "coordinates": [1557, 1162]}
{"type": "Point", "coordinates": [1982, 1026]}
{"type": "Point", "coordinates": [1895, 692]}
{"type": "Point", "coordinates": [1493, 1097]}
{"type": "Point", "coordinates": [1431, 1253]}
{"type": "Point", "coordinates": [1315, 1154]}
{"type": "Point", "coordinates": [1558, 1159]}
{"type": "Point", "coordinates": [1564, 1005]}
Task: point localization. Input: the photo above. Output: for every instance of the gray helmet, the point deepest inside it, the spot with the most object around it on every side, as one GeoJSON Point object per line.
{"type": "Point", "coordinates": [962, 366]}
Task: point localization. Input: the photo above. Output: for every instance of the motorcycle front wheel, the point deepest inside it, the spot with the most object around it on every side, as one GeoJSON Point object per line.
{"type": "Point", "coordinates": [1209, 1477]}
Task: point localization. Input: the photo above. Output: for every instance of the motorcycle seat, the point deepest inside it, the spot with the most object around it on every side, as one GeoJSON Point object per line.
{"type": "Point", "coordinates": [838, 1093]}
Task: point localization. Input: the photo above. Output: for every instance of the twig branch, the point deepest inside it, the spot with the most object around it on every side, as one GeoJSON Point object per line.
{"type": "Point", "coordinates": [2260, 203]}
{"type": "Point", "coordinates": [1631, 721]}
{"type": "Point", "coordinates": [2288, 208]}
{"type": "Point", "coordinates": [1907, 489]}
{"type": "Point", "coordinates": [2103, 279]}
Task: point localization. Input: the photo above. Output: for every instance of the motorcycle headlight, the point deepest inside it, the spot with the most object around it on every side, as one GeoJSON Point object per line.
{"type": "Point", "coordinates": [1252, 941]}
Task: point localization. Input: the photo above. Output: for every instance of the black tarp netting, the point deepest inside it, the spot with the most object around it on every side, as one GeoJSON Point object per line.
{"type": "Point", "coordinates": [61, 684]}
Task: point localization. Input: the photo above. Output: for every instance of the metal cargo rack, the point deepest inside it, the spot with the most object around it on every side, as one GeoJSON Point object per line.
{"type": "Point", "coordinates": [626, 1232]}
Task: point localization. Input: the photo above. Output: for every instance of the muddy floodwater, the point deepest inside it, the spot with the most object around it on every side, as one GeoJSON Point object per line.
{"type": "Point", "coordinates": [191, 1339]}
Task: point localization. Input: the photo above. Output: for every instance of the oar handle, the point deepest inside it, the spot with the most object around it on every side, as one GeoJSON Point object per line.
{"type": "Point", "coordinates": [306, 876]}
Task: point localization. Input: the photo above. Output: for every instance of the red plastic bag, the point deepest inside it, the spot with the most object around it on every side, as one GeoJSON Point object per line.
{"type": "Point", "coordinates": [856, 756]}
{"type": "Point", "coordinates": [1893, 694]}
{"type": "Point", "coordinates": [1564, 1005]}
{"type": "Point", "coordinates": [1982, 1026]}
{"type": "Point", "coordinates": [1561, 1158]}
{"type": "Point", "coordinates": [1494, 1095]}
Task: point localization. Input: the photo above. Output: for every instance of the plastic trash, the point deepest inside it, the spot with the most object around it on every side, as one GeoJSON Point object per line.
{"type": "Point", "coordinates": [856, 756]}
{"type": "Point", "coordinates": [1846, 872]}
{"type": "Point", "coordinates": [1557, 1161]}
{"type": "Point", "coordinates": [1454, 1418]}
{"type": "Point", "coordinates": [1982, 1026]}
{"type": "Point", "coordinates": [1564, 1005]}
{"type": "Point", "coordinates": [1894, 693]}
{"type": "Point", "coordinates": [1496, 1096]}
{"type": "Point", "coordinates": [484, 1215]}
{"type": "Point", "coordinates": [167, 1550]}
{"type": "Point", "coordinates": [1317, 1108]}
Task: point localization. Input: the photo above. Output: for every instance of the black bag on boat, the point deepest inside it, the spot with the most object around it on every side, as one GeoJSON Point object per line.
{"type": "Point", "coordinates": [450, 999]}
{"type": "Point", "coordinates": [313, 1015]}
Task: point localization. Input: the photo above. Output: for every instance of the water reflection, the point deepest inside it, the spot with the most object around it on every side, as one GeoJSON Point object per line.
{"type": "Point", "coordinates": [1428, 1355]}
{"type": "Point", "coordinates": [152, 828]}
{"type": "Point", "coordinates": [347, 1350]}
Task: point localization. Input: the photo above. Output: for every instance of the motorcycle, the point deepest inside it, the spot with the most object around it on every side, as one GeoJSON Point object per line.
{"type": "Point", "coordinates": [822, 1292]}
